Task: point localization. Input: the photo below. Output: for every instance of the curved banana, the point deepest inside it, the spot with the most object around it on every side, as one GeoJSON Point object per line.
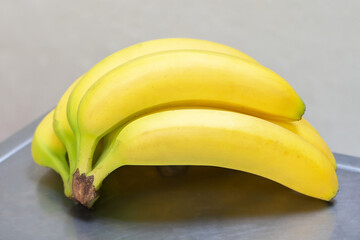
{"type": "Point", "coordinates": [217, 138]}
{"type": "Point", "coordinates": [47, 150]}
{"type": "Point", "coordinates": [135, 51]}
{"type": "Point", "coordinates": [183, 78]}
{"type": "Point", "coordinates": [304, 129]}
{"type": "Point", "coordinates": [62, 127]}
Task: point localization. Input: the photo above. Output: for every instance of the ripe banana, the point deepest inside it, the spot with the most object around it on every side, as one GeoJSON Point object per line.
{"type": "Point", "coordinates": [304, 129]}
{"type": "Point", "coordinates": [183, 78]}
{"type": "Point", "coordinates": [131, 53]}
{"type": "Point", "coordinates": [223, 139]}
{"type": "Point", "coordinates": [182, 102]}
{"type": "Point", "coordinates": [47, 150]}
{"type": "Point", "coordinates": [136, 51]}
{"type": "Point", "coordinates": [301, 128]}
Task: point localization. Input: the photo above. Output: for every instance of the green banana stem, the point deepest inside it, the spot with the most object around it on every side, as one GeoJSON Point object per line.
{"type": "Point", "coordinates": [62, 169]}
{"type": "Point", "coordinates": [85, 155]}
{"type": "Point", "coordinates": [105, 167]}
{"type": "Point", "coordinates": [86, 182]}
{"type": "Point", "coordinates": [71, 148]}
{"type": "Point", "coordinates": [71, 151]}
{"type": "Point", "coordinates": [91, 148]}
{"type": "Point", "coordinates": [67, 188]}
{"type": "Point", "coordinates": [81, 183]}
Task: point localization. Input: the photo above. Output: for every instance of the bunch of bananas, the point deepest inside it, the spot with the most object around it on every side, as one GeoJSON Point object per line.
{"type": "Point", "coordinates": [182, 102]}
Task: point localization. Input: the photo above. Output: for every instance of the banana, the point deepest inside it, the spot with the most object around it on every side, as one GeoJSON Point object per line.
{"type": "Point", "coordinates": [62, 127]}
{"type": "Point", "coordinates": [131, 53]}
{"type": "Point", "coordinates": [304, 129]}
{"type": "Point", "coordinates": [216, 138]}
{"type": "Point", "coordinates": [182, 78]}
{"type": "Point", "coordinates": [301, 128]}
{"type": "Point", "coordinates": [136, 51]}
{"type": "Point", "coordinates": [47, 150]}
{"type": "Point", "coordinates": [182, 102]}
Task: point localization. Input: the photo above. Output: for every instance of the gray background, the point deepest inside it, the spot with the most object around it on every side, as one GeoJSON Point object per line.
{"type": "Point", "coordinates": [314, 45]}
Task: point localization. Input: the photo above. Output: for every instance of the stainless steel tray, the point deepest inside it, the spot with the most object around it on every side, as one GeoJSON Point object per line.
{"type": "Point", "coordinates": [138, 203]}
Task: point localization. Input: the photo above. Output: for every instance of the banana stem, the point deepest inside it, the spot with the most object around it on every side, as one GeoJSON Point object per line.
{"type": "Point", "coordinates": [62, 169]}
{"type": "Point", "coordinates": [107, 164]}
{"type": "Point", "coordinates": [67, 188]}
{"type": "Point", "coordinates": [71, 148]}
{"type": "Point", "coordinates": [82, 183]}
{"type": "Point", "coordinates": [85, 186]}
{"type": "Point", "coordinates": [86, 149]}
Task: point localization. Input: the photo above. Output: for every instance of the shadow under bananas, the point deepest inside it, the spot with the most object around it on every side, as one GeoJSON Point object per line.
{"type": "Point", "coordinates": [141, 194]}
{"type": "Point", "coordinates": [138, 200]}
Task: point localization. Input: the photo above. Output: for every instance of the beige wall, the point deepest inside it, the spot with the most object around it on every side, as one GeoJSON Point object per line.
{"type": "Point", "coordinates": [45, 45]}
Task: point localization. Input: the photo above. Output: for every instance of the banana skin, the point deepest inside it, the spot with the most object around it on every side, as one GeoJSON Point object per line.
{"type": "Point", "coordinates": [305, 130]}
{"type": "Point", "coordinates": [133, 52]}
{"type": "Point", "coordinates": [182, 78]}
{"type": "Point", "coordinates": [223, 139]}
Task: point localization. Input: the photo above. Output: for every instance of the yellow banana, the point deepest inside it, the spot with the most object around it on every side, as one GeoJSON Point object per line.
{"type": "Point", "coordinates": [136, 51]}
{"type": "Point", "coordinates": [182, 102]}
{"type": "Point", "coordinates": [223, 139]}
{"type": "Point", "coordinates": [47, 150]}
{"type": "Point", "coordinates": [62, 127]}
{"type": "Point", "coordinates": [304, 129]}
{"type": "Point", "coordinates": [183, 78]}
{"type": "Point", "coordinates": [131, 53]}
{"type": "Point", "coordinates": [301, 128]}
